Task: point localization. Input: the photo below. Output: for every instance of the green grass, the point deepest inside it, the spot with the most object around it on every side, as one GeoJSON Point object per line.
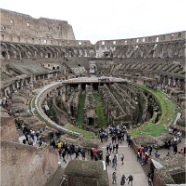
{"type": "Point", "coordinates": [169, 112]}
{"type": "Point", "coordinates": [52, 113]}
{"type": "Point", "coordinates": [80, 119]}
{"type": "Point", "coordinates": [102, 120]}
{"type": "Point", "coordinates": [86, 134]}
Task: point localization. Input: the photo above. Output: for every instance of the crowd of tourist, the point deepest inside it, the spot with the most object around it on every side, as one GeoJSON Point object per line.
{"type": "Point", "coordinates": [6, 103]}
{"type": "Point", "coordinates": [76, 152]}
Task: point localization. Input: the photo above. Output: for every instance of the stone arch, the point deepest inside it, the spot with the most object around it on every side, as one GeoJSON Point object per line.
{"type": "Point", "coordinates": [23, 54]}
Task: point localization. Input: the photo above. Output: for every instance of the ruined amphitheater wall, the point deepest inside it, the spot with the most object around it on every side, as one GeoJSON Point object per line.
{"type": "Point", "coordinates": [25, 165]}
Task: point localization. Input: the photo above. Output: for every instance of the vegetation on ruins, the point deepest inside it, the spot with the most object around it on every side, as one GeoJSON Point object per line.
{"type": "Point", "coordinates": [80, 119]}
{"type": "Point", "coordinates": [52, 113]}
{"type": "Point", "coordinates": [169, 112]}
{"type": "Point", "coordinates": [102, 120]}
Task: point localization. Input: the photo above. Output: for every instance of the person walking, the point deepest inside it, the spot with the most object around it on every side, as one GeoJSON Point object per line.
{"type": "Point", "coordinates": [114, 162]}
{"type": "Point", "coordinates": [123, 178]}
{"type": "Point", "coordinates": [122, 159]}
{"type": "Point", "coordinates": [130, 178]}
{"type": "Point", "coordinates": [114, 177]}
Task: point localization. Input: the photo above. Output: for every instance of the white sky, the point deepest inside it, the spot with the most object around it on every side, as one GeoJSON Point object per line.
{"type": "Point", "coordinates": [108, 19]}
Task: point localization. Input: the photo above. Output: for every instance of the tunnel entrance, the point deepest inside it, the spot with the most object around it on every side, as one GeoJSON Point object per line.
{"type": "Point", "coordinates": [91, 121]}
{"type": "Point", "coordinates": [95, 86]}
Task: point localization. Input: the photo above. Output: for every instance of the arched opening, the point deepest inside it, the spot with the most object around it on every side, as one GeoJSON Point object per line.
{"type": "Point", "coordinates": [58, 67]}
{"type": "Point", "coordinates": [4, 54]}
{"type": "Point", "coordinates": [49, 55]}
{"type": "Point", "coordinates": [91, 121]}
{"type": "Point", "coordinates": [53, 68]}
{"type": "Point", "coordinates": [72, 110]}
{"type": "Point", "coordinates": [23, 54]}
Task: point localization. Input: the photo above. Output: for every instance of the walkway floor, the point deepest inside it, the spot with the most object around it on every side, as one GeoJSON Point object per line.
{"type": "Point", "coordinates": [131, 166]}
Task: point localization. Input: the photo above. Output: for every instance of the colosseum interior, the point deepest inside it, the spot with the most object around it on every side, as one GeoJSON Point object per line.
{"type": "Point", "coordinates": [56, 88]}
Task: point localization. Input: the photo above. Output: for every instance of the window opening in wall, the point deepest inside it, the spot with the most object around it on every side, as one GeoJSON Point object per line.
{"type": "Point", "coordinates": [45, 41]}
{"type": "Point", "coordinates": [2, 36]}
{"type": "Point", "coordinates": [179, 35]}
{"type": "Point", "coordinates": [137, 40]}
{"type": "Point", "coordinates": [125, 42]}
{"type": "Point", "coordinates": [53, 68]}
{"type": "Point", "coordinates": [114, 42]}
{"type": "Point", "coordinates": [58, 67]}
{"type": "Point", "coordinates": [39, 40]}
{"type": "Point", "coordinates": [103, 43]}
{"type": "Point", "coordinates": [48, 65]}
{"type": "Point", "coordinates": [136, 46]}
{"type": "Point", "coordinates": [79, 42]}
{"type": "Point", "coordinates": [157, 39]}
{"type": "Point", "coordinates": [143, 39]}
{"type": "Point", "coordinates": [11, 21]}
{"type": "Point", "coordinates": [33, 40]}
{"type": "Point", "coordinates": [28, 24]}
{"type": "Point", "coordinates": [172, 36]}
{"type": "Point", "coordinates": [49, 55]}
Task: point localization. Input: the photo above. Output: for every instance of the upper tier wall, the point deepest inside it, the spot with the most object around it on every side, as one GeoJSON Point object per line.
{"type": "Point", "coordinates": [142, 40]}
{"type": "Point", "coordinates": [26, 26]}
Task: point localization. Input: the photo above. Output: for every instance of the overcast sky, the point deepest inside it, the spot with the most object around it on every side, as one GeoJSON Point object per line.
{"type": "Point", "coordinates": [108, 19]}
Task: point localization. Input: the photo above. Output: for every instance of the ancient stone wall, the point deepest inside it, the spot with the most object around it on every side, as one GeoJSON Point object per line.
{"type": "Point", "coordinates": [25, 165]}
{"type": "Point", "coordinates": [142, 40]}
{"type": "Point", "coordinates": [21, 27]}
{"type": "Point", "coordinates": [8, 128]}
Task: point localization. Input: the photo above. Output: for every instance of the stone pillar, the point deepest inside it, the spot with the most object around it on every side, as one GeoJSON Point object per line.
{"type": "Point", "coordinates": [79, 88]}
{"type": "Point", "coordinates": [174, 83]}
{"type": "Point", "coordinates": [178, 83]}
{"type": "Point", "coordinates": [169, 82]}
{"type": "Point", "coordinates": [63, 96]}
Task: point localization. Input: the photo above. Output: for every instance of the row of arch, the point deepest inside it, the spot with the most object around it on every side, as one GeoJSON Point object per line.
{"type": "Point", "coordinates": [154, 50]}
{"type": "Point", "coordinates": [26, 51]}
